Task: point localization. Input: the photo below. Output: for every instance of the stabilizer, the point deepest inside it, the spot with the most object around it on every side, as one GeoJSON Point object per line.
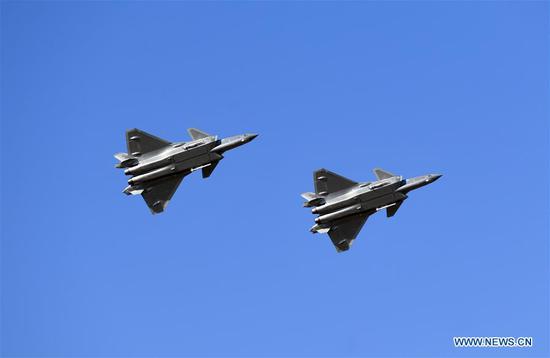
{"type": "Point", "coordinates": [327, 182]}
{"type": "Point", "coordinates": [197, 133]}
{"type": "Point", "coordinates": [125, 160]}
{"type": "Point", "coordinates": [140, 142]}
{"type": "Point", "coordinates": [312, 199]}
{"type": "Point", "coordinates": [382, 174]}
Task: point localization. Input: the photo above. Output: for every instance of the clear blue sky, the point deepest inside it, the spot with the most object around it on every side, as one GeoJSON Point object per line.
{"type": "Point", "coordinates": [230, 269]}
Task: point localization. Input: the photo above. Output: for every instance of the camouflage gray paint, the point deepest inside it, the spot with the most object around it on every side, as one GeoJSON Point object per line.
{"type": "Point", "coordinates": [343, 205]}
{"type": "Point", "coordinates": [157, 166]}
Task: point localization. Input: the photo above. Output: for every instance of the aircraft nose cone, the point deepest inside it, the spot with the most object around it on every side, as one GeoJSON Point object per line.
{"type": "Point", "coordinates": [436, 176]}
{"type": "Point", "coordinates": [251, 136]}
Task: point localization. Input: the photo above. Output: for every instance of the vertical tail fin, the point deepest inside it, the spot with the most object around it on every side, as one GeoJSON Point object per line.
{"type": "Point", "coordinates": [328, 182]}
{"type": "Point", "coordinates": [197, 133]}
{"type": "Point", "coordinates": [140, 142]}
{"type": "Point", "coordinates": [382, 174]}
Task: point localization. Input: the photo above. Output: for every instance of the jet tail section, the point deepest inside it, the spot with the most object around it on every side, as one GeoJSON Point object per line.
{"type": "Point", "coordinates": [309, 196]}
{"type": "Point", "coordinates": [125, 160]}
{"type": "Point", "coordinates": [312, 199]}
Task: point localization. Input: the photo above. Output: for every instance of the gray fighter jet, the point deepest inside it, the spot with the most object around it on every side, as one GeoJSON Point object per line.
{"type": "Point", "coordinates": [157, 166]}
{"type": "Point", "coordinates": [344, 205]}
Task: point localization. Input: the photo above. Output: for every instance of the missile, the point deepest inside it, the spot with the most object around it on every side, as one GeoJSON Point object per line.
{"type": "Point", "coordinates": [144, 168]}
{"type": "Point", "coordinates": [167, 170]}
{"type": "Point", "coordinates": [202, 166]}
{"type": "Point", "coordinates": [350, 210]}
{"type": "Point", "coordinates": [385, 206]}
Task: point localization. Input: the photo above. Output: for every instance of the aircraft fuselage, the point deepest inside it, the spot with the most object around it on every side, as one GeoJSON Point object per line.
{"type": "Point", "coordinates": [177, 158]}
{"type": "Point", "coordinates": [365, 197]}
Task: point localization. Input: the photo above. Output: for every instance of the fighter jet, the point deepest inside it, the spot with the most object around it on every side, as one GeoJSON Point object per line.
{"type": "Point", "coordinates": [344, 205]}
{"type": "Point", "coordinates": [157, 166]}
